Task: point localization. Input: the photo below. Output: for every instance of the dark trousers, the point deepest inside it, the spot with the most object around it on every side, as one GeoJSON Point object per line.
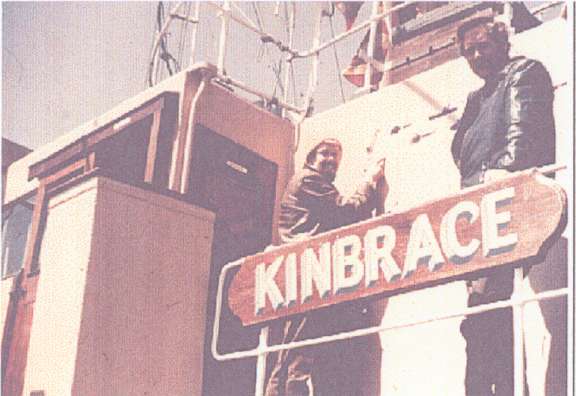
{"type": "Point", "coordinates": [490, 341]}
{"type": "Point", "coordinates": [336, 368]}
{"type": "Point", "coordinates": [490, 353]}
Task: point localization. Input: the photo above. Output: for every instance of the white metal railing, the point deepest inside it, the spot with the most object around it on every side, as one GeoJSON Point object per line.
{"type": "Point", "coordinates": [248, 24]}
{"type": "Point", "coordinates": [265, 349]}
{"type": "Point", "coordinates": [227, 14]}
{"type": "Point", "coordinates": [516, 301]}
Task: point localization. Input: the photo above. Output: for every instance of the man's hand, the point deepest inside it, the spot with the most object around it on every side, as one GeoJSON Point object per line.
{"type": "Point", "coordinates": [375, 170]}
{"type": "Point", "coordinates": [495, 174]}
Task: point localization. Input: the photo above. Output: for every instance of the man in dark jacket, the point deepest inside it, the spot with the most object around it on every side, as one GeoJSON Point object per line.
{"type": "Point", "coordinates": [507, 125]}
{"type": "Point", "coordinates": [312, 205]}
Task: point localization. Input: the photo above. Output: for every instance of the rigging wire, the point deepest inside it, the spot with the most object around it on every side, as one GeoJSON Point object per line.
{"type": "Point", "coordinates": [164, 54]}
{"type": "Point", "coordinates": [276, 67]}
{"type": "Point", "coordinates": [149, 71]}
{"type": "Point", "coordinates": [262, 49]}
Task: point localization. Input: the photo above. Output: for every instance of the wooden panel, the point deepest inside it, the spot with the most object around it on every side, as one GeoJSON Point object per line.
{"type": "Point", "coordinates": [112, 265]}
{"type": "Point", "coordinates": [420, 249]}
{"type": "Point", "coordinates": [425, 52]}
{"type": "Point", "coordinates": [165, 104]}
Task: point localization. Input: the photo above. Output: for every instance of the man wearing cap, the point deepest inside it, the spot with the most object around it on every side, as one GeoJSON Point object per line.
{"type": "Point", "coordinates": [311, 205]}
{"type": "Point", "coordinates": [507, 125]}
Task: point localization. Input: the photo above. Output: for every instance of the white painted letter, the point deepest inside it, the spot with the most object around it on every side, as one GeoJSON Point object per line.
{"type": "Point", "coordinates": [347, 257]}
{"type": "Point", "coordinates": [454, 251]}
{"type": "Point", "coordinates": [422, 247]}
{"type": "Point", "coordinates": [376, 257]}
{"type": "Point", "coordinates": [291, 279]}
{"type": "Point", "coordinates": [492, 222]}
{"type": "Point", "coordinates": [265, 285]}
{"type": "Point", "coordinates": [315, 271]}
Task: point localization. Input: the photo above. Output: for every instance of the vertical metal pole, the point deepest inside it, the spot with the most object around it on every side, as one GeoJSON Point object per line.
{"type": "Point", "coordinates": [194, 32]}
{"type": "Point", "coordinates": [508, 14]}
{"type": "Point", "coordinates": [518, 318]}
{"type": "Point", "coordinates": [313, 77]}
{"type": "Point", "coordinates": [223, 36]}
{"type": "Point", "coordinates": [261, 363]}
{"type": "Point", "coordinates": [389, 21]}
{"type": "Point", "coordinates": [370, 49]}
{"type": "Point", "coordinates": [288, 63]}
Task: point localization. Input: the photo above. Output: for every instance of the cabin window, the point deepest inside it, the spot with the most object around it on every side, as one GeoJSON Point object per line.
{"type": "Point", "coordinates": [16, 220]}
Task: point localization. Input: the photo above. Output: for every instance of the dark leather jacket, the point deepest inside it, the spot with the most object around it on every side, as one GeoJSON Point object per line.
{"type": "Point", "coordinates": [507, 124]}
{"type": "Point", "coordinates": [312, 205]}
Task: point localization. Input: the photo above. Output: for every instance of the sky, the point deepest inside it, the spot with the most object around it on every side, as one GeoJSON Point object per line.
{"type": "Point", "coordinates": [64, 63]}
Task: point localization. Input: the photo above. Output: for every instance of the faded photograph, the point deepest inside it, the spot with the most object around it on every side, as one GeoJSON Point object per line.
{"type": "Point", "coordinates": [287, 198]}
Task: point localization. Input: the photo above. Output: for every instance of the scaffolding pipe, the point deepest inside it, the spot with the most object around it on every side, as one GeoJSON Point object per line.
{"type": "Point", "coordinates": [155, 59]}
{"type": "Point", "coordinates": [223, 36]}
{"type": "Point", "coordinates": [265, 37]}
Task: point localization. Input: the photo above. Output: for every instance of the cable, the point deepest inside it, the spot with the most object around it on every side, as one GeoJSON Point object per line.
{"type": "Point", "coordinates": [276, 68]}
{"type": "Point", "coordinates": [149, 71]}
{"type": "Point", "coordinates": [165, 55]}
{"type": "Point", "coordinates": [262, 49]}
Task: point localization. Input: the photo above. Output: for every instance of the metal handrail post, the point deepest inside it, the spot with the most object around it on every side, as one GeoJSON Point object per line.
{"type": "Point", "coordinates": [225, 15]}
{"type": "Point", "coordinates": [313, 77]}
{"type": "Point", "coordinates": [194, 32]}
{"type": "Point", "coordinates": [288, 60]}
{"type": "Point", "coordinates": [371, 45]}
{"type": "Point", "coordinates": [518, 333]}
{"type": "Point", "coordinates": [261, 362]}
{"type": "Point", "coordinates": [507, 15]}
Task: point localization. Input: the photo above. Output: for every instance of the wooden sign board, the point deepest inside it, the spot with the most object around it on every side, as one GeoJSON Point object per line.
{"type": "Point", "coordinates": [487, 226]}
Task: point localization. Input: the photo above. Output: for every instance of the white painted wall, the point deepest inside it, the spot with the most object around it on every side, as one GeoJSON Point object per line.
{"type": "Point", "coordinates": [121, 301]}
{"type": "Point", "coordinates": [430, 359]}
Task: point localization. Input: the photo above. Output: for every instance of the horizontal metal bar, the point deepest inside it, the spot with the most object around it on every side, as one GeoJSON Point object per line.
{"type": "Point", "coordinates": [238, 84]}
{"type": "Point", "coordinates": [370, 330]}
{"type": "Point", "coordinates": [546, 6]}
{"type": "Point", "coordinates": [552, 168]}
{"type": "Point", "coordinates": [377, 329]}
{"type": "Point", "coordinates": [355, 29]}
